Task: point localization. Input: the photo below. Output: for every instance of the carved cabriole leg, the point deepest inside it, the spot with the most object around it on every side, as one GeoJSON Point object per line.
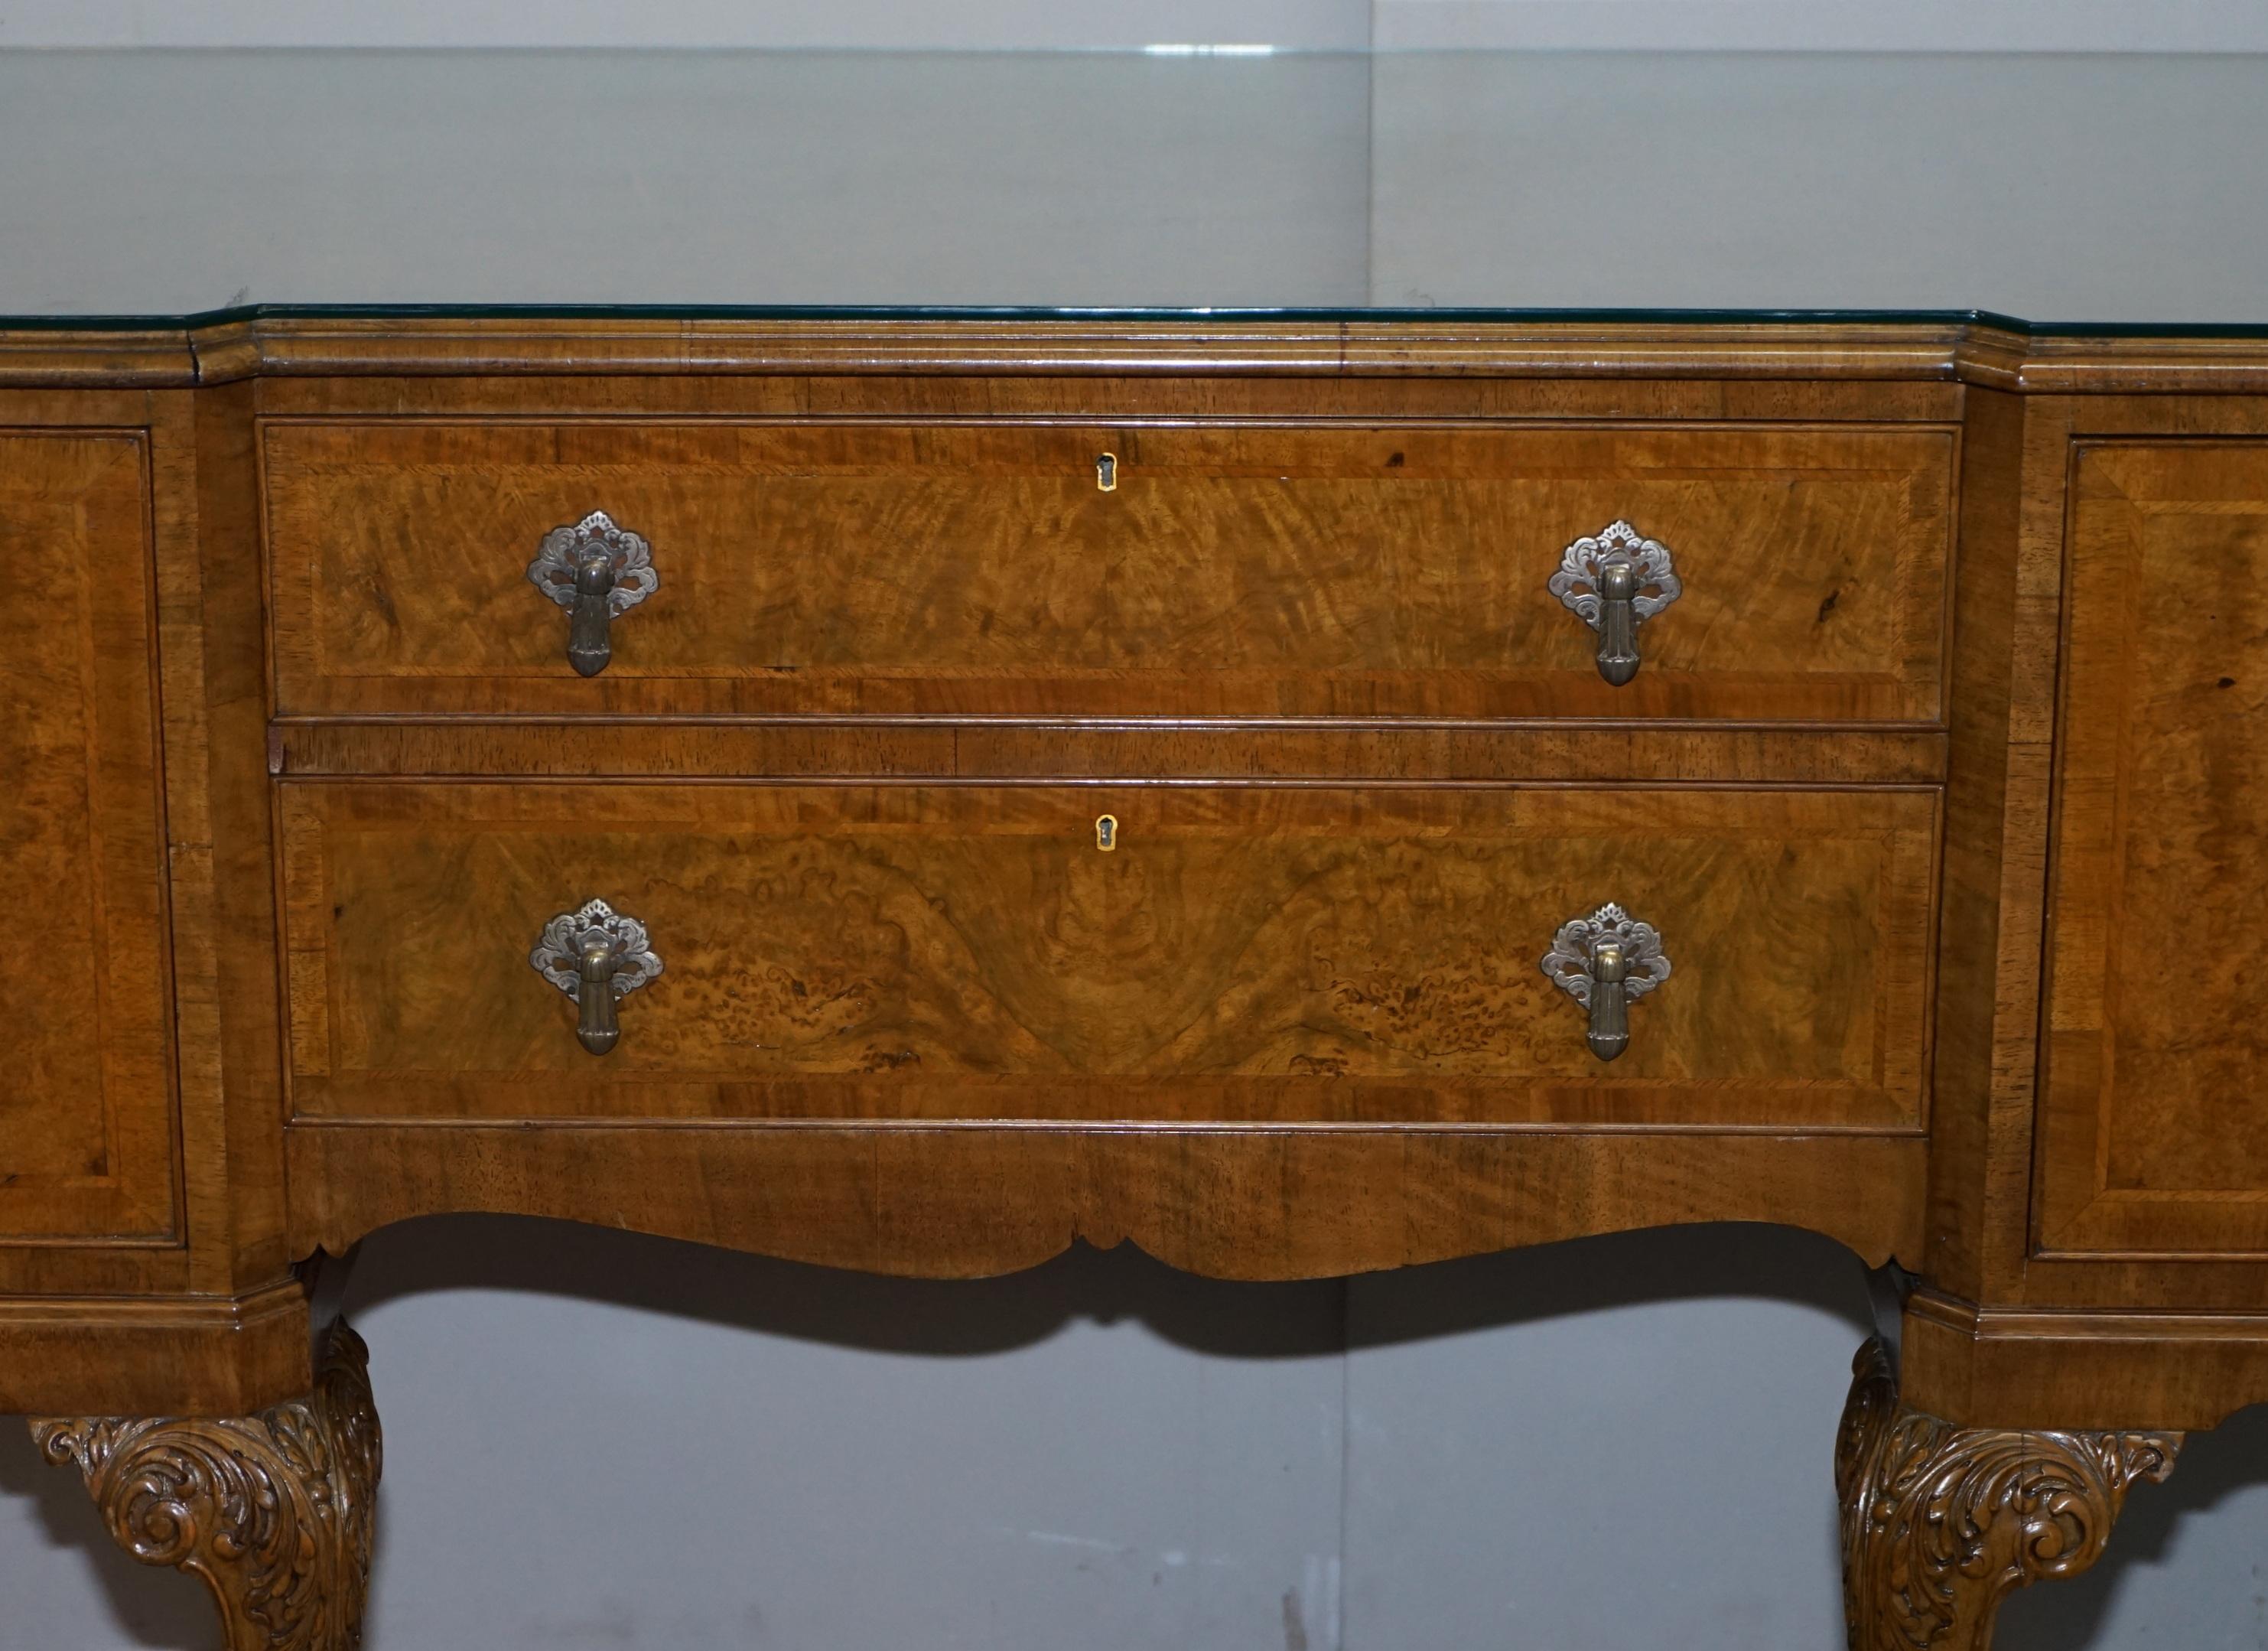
{"type": "Point", "coordinates": [1940, 1523]}
{"type": "Point", "coordinates": [274, 1511]}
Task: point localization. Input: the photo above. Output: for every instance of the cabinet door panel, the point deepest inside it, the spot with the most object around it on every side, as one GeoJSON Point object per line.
{"type": "Point", "coordinates": [2154, 1125]}
{"type": "Point", "coordinates": [87, 1114]}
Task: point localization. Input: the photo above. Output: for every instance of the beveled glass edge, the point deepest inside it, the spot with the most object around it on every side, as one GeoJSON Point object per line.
{"type": "Point", "coordinates": [1228, 315]}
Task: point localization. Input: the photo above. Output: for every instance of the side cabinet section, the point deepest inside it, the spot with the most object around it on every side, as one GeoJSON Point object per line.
{"type": "Point", "coordinates": [88, 1111]}
{"type": "Point", "coordinates": [2153, 1140]}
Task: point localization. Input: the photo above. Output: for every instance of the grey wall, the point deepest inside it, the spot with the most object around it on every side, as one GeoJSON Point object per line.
{"type": "Point", "coordinates": [1654, 24]}
{"type": "Point", "coordinates": [602, 1440]}
{"type": "Point", "coordinates": [2052, 186]}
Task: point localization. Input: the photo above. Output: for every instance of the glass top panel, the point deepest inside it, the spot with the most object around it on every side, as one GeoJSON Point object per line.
{"type": "Point", "coordinates": [2085, 189]}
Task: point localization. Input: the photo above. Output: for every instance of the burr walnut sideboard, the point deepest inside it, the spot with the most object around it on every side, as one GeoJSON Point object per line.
{"type": "Point", "coordinates": [1299, 794]}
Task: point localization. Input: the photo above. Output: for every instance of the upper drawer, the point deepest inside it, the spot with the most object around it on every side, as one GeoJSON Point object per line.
{"type": "Point", "coordinates": [963, 570]}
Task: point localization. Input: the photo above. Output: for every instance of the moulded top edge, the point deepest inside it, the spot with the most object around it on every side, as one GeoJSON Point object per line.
{"type": "Point", "coordinates": [1192, 315]}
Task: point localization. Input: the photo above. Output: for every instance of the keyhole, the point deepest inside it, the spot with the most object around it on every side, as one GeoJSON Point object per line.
{"type": "Point", "coordinates": [1106, 833]}
{"type": "Point", "coordinates": [1105, 472]}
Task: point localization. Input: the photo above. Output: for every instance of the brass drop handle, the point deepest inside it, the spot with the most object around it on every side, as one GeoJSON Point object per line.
{"type": "Point", "coordinates": [596, 957]}
{"type": "Point", "coordinates": [1617, 622]}
{"type": "Point", "coordinates": [1603, 962]}
{"type": "Point", "coordinates": [596, 1027]}
{"type": "Point", "coordinates": [1612, 581]}
{"type": "Point", "coordinates": [1610, 1032]}
{"type": "Point", "coordinates": [590, 641]}
{"type": "Point", "coordinates": [598, 571]}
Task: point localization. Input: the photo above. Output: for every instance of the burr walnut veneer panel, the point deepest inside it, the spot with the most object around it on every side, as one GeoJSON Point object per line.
{"type": "Point", "coordinates": [982, 569]}
{"type": "Point", "coordinates": [1312, 953]}
{"type": "Point", "coordinates": [2154, 1139]}
{"type": "Point", "coordinates": [87, 1109]}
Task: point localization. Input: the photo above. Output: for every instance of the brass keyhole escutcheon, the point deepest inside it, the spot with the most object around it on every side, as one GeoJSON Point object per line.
{"type": "Point", "coordinates": [1106, 833]}
{"type": "Point", "coordinates": [1105, 472]}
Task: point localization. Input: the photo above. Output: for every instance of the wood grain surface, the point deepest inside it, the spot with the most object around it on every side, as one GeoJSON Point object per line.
{"type": "Point", "coordinates": [278, 346]}
{"type": "Point", "coordinates": [1256, 954]}
{"type": "Point", "coordinates": [2015, 1366]}
{"type": "Point", "coordinates": [1985, 932]}
{"type": "Point", "coordinates": [832, 747]}
{"type": "Point", "coordinates": [1107, 400]}
{"type": "Point", "coordinates": [934, 569]}
{"type": "Point", "coordinates": [235, 1162]}
{"type": "Point", "coordinates": [150, 1353]}
{"type": "Point", "coordinates": [2150, 1139]}
{"type": "Point", "coordinates": [972, 1201]}
{"type": "Point", "coordinates": [1570, 350]}
{"type": "Point", "coordinates": [87, 1124]}
{"type": "Point", "coordinates": [313, 344]}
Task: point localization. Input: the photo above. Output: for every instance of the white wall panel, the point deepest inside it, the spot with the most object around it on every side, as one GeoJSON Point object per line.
{"type": "Point", "coordinates": [1848, 25]}
{"type": "Point", "coordinates": [155, 182]}
{"type": "Point", "coordinates": [896, 24]}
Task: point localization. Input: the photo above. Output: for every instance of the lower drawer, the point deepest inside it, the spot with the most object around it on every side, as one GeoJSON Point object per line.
{"type": "Point", "coordinates": [1150, 953]}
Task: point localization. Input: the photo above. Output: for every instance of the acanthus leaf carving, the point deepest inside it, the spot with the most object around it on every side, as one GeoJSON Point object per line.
{"type": "Point", "coordinates": [1941, 1523]}
{"type": "Point", "coordinates": [272, 1512]}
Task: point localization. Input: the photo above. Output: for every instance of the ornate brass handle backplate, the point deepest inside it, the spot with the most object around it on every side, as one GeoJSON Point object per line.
{"type": "Point", "coordinates": [596, 957]}
{"type": "Point", "coordinates": [1603, 962]}
{"type": "Point", "coordinates": [1612, 581]}
{"type": "Point", "coordinates": [597, 571]}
